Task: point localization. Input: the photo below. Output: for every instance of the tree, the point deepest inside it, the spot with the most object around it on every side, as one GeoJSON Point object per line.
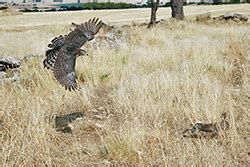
{"type": "Point", "coordinates": [177, 9]}
{"type": "Point", "coordinates": [154, 7]}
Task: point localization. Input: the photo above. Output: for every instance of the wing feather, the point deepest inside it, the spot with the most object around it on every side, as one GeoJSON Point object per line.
{"type": "Point", "coordinates": [83, 33]}
{"type": "Point", "coordinates": [52, 53]}
{"type": "Point", "coordinates": [57, 42]}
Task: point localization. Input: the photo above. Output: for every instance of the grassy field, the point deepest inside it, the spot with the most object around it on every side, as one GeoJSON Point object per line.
{"type": "Point", "coordinates": [137, 99]}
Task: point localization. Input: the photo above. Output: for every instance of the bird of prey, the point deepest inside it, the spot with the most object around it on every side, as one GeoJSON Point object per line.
{"type": "Point", "coordinates": [63, 50]}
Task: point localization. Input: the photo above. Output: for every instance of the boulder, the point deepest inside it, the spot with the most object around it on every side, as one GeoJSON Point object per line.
{"type": "Point", "coordinates": [9, 63]}
{"type": "Point", "coordinates": [232, 16]}
{"type": "Point", "coordinates": [207, 130]}
{"type": "Point", "coordinates": [62, 122]}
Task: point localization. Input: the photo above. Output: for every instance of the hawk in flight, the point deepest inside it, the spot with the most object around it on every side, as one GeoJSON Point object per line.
{"type": "Point", "coordinates": [63, 50]}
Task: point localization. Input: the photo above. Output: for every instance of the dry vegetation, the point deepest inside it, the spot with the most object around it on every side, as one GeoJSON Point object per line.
{"type": "Point", "coordinates": [137, 100]}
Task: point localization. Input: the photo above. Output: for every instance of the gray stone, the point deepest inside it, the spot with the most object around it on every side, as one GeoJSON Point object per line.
{"type": "Point", "coordinates": [62, 122]}
{"type": "Point", "coordinates": [111, 40]}
{"type": "Point", "coordinates": [232, 16]}
{"type": "Point", "coordinates": [207, 130]}
{"type": "Point", "coordinates": [9, 62]}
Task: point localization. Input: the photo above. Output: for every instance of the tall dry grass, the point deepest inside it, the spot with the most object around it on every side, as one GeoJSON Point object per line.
{"type": "Point", "coordinates": [137, 99]}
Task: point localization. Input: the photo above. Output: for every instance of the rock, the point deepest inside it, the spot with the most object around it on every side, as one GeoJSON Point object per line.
{"type": "Point", "coordinates": [203, 17]}
{"type": "Point", "coordinates": [110, 41]}
{"type": "Point", "coordinates": [200, 129]}
{"type": "Point", "coordinates": [110, 37]}
{"type": "Point", "coordinates": [232, 16]}
{"type": "Point", "coordinates": [62, 122]}
{"type": "Point", "coordinates": [207, 130]}
{"type": "Point", "coordinates": [9, 69]}
{"type": "Point", "coordinates": [9, 63]}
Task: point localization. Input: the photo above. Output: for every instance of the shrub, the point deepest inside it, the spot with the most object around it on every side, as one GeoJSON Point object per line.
{"type": "Point", "coordinates": [30, 10]}
{"type": "Point", "coordinates": [72, 7]}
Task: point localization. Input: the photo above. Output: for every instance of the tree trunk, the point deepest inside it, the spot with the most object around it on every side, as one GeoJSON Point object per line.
{"type": "Point", "coordinates": [154, 8]}
{"type": "Point", "coordinates": [177, 9]}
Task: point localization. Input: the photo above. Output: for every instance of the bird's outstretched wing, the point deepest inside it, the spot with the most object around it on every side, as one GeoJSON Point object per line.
{"type": "Point", "coordinates": [82, 33]}
{"type": "Point", "coordinates": [53, 52]}
{"type": "Point", "coordinates": [57, 42]}
{"type": "Point", "coordinates": [63, 58]}
{"type": "Point", "coordinates": [64, 70]}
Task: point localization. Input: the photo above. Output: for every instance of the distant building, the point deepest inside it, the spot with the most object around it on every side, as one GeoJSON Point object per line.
{"type": "Point", "coordinates": [40, 1]}
{"type": "Point", "coordinates": [136, 2]}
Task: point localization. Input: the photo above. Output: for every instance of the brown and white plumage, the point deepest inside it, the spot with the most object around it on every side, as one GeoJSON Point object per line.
{"type": "Point", "coordinates": [61, 57]}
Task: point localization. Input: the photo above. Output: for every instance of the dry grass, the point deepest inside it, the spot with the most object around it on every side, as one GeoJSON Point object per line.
{"type": "Point", "coordinates": [144, 94]}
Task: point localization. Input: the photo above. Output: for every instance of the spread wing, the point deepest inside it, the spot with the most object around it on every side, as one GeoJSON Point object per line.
{"type": "Point", "coordinates": [57, 42]}
{"type": "Point", "coordinates": [82, 33]}
{"type": "Point", "coordinates": [53, 52]}
{"type": "Point", "coordinates": [64, 70]}
{"type": "Point", "coordinates": [61, 58]}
